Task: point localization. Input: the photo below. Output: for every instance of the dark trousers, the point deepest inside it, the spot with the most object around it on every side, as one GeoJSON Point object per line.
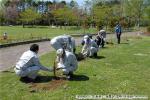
{"type": "Point", "coordinates": [118, 38]}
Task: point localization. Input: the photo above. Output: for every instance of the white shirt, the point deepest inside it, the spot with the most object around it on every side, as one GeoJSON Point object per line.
{"type": "Point", "coordinates": [93, 43]}
{"type": "Point", "coordinates": [69, 61]}
{"type": "Point", "coordinates": [102, 33]}
{"type": "Point", "coordinates": [59, 41]}
{"type": "Point", "coordinates": [29, 59]}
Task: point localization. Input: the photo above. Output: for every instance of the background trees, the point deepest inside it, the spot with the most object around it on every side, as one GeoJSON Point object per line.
{"type": "Point", "coordinates": [29, 16]}
{"type": "Point", "coordinates": [94, 13]}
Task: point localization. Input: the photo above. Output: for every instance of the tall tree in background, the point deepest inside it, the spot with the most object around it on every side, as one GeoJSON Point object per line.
{"type": "Point", "coordinates": [11, 12]}
{"type": "Point", "coordinates": [135, 9]}
{"type": "Point", "coordinates": [102, 15]}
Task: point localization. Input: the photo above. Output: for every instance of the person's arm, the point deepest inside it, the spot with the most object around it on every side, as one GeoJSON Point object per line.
{"type": "Point", "coordinates": [60, 66]}
{"type": "Point", "coordinates": [37, 63]}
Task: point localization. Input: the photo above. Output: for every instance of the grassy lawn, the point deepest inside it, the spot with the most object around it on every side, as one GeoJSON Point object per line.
{"type": "Point", "coordinates": [18, 33]}
{"type": "Point", "coordinates": [120, 69]}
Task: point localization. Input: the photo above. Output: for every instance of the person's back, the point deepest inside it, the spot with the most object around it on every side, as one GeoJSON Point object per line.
{"type": "Point", "coordinates": [118, 29]}
{"type": "Point", "coordinates": [26, 60]}
{"type": "Point", "coordinates": [63, 41]}
{"type": "Point", "coordinates": [57, 42]}
{"type": "Point", "coordinates": [29, 64]}
{"type": "Point", "coordinates": [71, 60]}
{"type": "Point", "coordinates": [93, 44]}
{"type": "Point", "coordinates": [67, 62]}
{"type": "Point", "coordinates": [94, 48]}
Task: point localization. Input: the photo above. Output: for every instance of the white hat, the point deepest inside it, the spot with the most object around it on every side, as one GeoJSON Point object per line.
{"type": "Point", "coordinates": [86, 37]}
{"type": "Point", "coordinates": [59, 52]}
{"type": "Point", "coordinates": [102, 31]}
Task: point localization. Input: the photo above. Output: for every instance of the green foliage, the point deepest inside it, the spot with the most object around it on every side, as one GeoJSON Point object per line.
{"type": "Point", "coordinates": [134, 9]}
{"type": "Point", "coordinates": [103, 15]}
{"type": "Point", "coordinates": [17, 33]}
{"type": "Point", "coordinates": [101, 12]}
{"type": "Point", "coordinates": [2, 16]}
{"type": "Point", "coordinates": [148, 29]}
{"type": "Point", "coordinates": [147, 13]}
{"type": "Point", "coordinates": [65, 15]}
{"type": "Point", "coordinates": [29, 15]}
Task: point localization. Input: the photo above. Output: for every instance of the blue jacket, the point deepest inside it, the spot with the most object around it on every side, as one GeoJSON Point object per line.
{"type": "Point", "coordinates": [118, 29]}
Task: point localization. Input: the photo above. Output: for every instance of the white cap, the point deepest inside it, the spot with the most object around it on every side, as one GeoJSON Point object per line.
{"type": "Point", "coordinates": [86, 37]}
{"type": "Point", "coordinates": [102, 31]}
{"type": "Point", "coordinates": [59, 52]}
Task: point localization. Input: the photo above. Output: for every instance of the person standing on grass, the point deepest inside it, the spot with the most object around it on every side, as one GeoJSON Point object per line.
{"type": "Point", "coordinates": [28, 65]}
{"type": "Point", "coordinates": [67, 62]}
{"type": "Point", "coordinates": [118, 32]}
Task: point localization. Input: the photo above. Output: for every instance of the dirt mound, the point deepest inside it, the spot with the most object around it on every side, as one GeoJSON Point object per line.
{"type": "Point", "coordinates": [52, 85]}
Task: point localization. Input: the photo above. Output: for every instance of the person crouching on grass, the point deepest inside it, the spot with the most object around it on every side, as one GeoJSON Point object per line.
{"type": "Point", "coordinates": [67, 62]}
{"type": "Point", "coordinates": [29, 65]}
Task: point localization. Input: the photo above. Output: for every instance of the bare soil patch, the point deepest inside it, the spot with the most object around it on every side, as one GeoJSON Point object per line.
{"type": "Point", "coordinates": [52, 85]}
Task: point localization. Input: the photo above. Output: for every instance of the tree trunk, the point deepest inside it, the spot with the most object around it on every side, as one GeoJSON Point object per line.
{"type": "Point", "coordinates": [23, 25]}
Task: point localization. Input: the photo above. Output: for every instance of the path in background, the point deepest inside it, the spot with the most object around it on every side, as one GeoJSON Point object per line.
{"type": "Point", "coordinates": [9, 55]}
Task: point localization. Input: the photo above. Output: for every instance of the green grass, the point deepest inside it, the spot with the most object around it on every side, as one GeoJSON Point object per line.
{"type": "Point", "coordinates": [18, 33]}
{"type": "Point", "coordinates": [122, 69]}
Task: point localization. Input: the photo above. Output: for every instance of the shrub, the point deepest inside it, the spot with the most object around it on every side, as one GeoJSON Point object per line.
{"type": "Point", "coordinates": [148, 29]}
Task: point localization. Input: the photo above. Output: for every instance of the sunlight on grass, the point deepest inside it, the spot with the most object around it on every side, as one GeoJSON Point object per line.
{"type": "Point", "coordinates": [117, 71]}
{"type": "Point", "coordinates": [17, 33]}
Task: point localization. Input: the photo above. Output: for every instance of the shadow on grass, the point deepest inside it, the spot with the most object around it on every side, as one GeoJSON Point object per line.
{"type": "Point", "coordinates": [98, 57]}
{"type": "Point", "coordinates": [6, 71]}
{"type": "Point", "coordinates": [46, 79]}
{"type": "Point", "coordinates": [124, 43]}
{"type": "Point", "coordinates": [39, 79]}
{"type": "Point", "coordinates": [104, 47]}
{"type": "Point", "coordinates": [30, 26]}
{"type": "Point", "coordinates": [73, 78]}
{"type": "Point", "coordinates": [79, 78]}
{"type": "Point", "coordinates": [110, 43]}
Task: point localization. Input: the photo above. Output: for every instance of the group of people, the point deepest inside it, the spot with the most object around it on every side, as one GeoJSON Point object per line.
{"type": "Point", "coordinates": [29, 65]}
